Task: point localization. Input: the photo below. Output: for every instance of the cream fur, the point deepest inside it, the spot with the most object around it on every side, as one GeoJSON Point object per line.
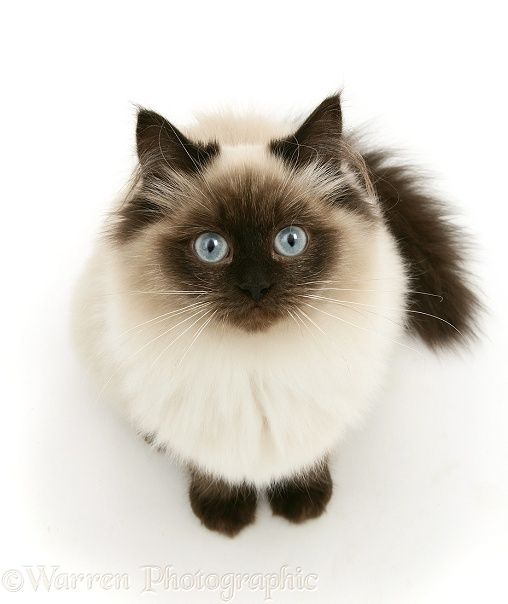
{"type": "Point", "coordinates": [260, 406]}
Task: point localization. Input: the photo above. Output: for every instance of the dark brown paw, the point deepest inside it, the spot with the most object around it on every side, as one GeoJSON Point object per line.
{"type": "Point", "coordinates": [222, 507]}
{"type": "Point", "coordinates": [302, 498]}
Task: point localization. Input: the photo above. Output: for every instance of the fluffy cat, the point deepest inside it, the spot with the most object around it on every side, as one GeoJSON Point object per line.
{"type": "Point", "coordinates": [243, 305]}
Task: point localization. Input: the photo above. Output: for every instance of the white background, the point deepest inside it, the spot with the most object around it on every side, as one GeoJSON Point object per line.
{"type": "Point", "coordinates": [420, 506]}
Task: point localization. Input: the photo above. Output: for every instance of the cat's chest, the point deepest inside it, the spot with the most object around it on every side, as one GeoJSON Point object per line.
{"type": "Point", "coordinates": [246, 406]}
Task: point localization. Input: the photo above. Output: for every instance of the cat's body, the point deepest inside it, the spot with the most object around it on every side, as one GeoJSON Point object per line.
{"type": "Point", "coordinates": [251, 368]}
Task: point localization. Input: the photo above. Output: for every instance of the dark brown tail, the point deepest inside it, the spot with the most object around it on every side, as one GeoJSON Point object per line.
{"type": "Point", "coordinates": [434, 249]}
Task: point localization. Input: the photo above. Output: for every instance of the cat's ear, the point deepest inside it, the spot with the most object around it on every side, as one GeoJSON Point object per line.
{"type": "Point", "coordinates": [317, 139]}
{"type": "Point", "coordinates": [161, 146]}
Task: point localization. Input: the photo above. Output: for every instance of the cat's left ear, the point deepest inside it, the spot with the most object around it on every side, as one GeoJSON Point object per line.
{"type": "Point", "coordinates": [317, 139]}
{"type": "Point", "coordinates": [161, 145]}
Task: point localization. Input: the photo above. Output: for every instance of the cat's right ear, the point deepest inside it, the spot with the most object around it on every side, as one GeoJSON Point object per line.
{"type": "Point", "coordinates": [162, 147]}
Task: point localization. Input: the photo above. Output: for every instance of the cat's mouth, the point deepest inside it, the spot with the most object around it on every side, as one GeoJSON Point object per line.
{"type": "Point", "coordinates": [253, 315]}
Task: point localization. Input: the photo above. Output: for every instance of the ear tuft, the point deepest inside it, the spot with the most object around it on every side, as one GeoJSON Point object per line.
{"type": "Point", "coordinates": [160, 144]}
{"type": "Point", "coordinates": [317, 139]}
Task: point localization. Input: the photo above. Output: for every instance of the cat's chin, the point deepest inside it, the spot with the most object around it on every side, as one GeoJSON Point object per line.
{"type": "Point", "coordinates": [254, 319]}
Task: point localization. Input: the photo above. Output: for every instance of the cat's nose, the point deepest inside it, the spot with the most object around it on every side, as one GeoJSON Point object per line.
{"type": "Point", "coordinates": [256, 290]}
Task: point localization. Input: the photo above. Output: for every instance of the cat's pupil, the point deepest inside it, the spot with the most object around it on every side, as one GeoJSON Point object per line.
{"type": "Point", "coordinates": [210, 246]}
{"type": "Point", "coordinates": [291, 239]}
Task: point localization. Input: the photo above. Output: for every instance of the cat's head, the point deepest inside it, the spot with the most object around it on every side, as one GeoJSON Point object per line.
{"type": "Point", "coordinates": [250, 229]}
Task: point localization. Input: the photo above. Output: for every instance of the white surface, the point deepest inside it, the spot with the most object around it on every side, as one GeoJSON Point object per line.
{"type": "Point", "coordinates": [420, 506]}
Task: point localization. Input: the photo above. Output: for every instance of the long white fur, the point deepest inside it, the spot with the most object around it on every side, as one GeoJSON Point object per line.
{"type": "Point", "coordinates": [254, 407]}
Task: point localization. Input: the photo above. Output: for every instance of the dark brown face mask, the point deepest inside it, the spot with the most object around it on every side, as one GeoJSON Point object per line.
{"type": "Point", "coordinates": [255, 250]}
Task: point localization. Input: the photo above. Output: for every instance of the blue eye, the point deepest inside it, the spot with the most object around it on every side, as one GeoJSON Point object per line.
{"type": "Point", "coordinates": [291, 241]}
{"type": "Point", "coordinates": [211, 247]}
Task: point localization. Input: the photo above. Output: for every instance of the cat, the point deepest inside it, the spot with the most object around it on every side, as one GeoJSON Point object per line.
{"type": "Point", "coordinates": [243, 304]}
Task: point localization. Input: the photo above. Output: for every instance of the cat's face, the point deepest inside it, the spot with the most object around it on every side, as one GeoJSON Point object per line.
{"type": "Point", "coordinates": [252, 232]}
{"type": "Point", "coordinates": [252, 245]}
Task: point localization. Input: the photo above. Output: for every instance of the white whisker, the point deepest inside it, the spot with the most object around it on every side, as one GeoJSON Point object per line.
{"type": "Point", "coordinates": [321, 331]}
{"type": "Point", "coordinates": [357, 326]}
{"type": "Point", "coordinates": [166, 315]}
{"type": "Point", "coordinates": [203, 313]}
{"type": "Point", "coordinates": [383, 291]}
{"type": "Point", "coordinates": [160, 292]}
{"type": "Point", "coordinates": [130, 357]}
{"type": "Point", "coordinates": [312, 322]}
{"type": "Point", "coordinates": [161, 318]}
{"type": "Point", "coordinates": [400, 309]}
{"type": "Point", "coordinates": [294, 319]}
{"type": "Point", "coordinates": [199, 332]}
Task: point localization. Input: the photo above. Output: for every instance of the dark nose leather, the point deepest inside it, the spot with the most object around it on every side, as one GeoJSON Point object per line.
{"type": "Point", "coordinates": [256, 290]}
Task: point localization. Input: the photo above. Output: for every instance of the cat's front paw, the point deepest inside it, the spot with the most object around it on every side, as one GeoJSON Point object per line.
{"type": "Point", "coordinates": [303, 498]}
{"type": "Point", "coordinates": [222, 507]}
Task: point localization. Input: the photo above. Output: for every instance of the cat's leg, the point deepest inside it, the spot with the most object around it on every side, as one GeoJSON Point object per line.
{"type": "Point", "coordinates": [302, 497]}
{"type": "Point", "coordinates": [221, 506]}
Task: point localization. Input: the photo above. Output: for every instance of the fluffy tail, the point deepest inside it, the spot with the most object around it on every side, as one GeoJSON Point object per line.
{"type": "Point", "coordinates": [434, 249]}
